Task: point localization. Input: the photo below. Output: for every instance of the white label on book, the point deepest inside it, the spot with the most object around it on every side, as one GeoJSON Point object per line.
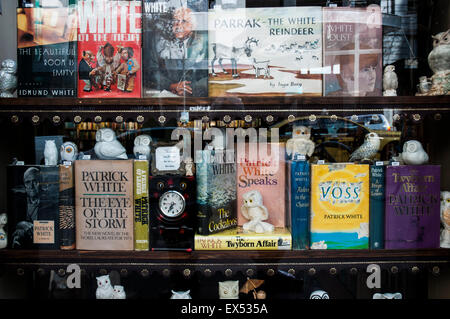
{"type": "Point", "coordinates": [379, 163]}
{"type": "Point", "coordinates": [167, 158]}
{"type": "Point", "coordinates": [43, 232]}
{"type": "Point", "coordinates": [142, 157]}
{"type": "Point", "coordinates": [20, 163]}
{"type": "Point", "coordinates": [320, 162]}
{"type": "Point", "coordinates": [86, 157]}
{"type": "Point", "coordinates": [395, 163]}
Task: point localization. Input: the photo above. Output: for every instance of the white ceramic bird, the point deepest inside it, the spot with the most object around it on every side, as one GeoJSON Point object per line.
{"type": "Point", "coordinates": [181, 295]}
{"type": "Point", "coordinates": [8, 78]}
{"type": "Point", "coordinates": [50, 153]}
{"type": "Point", "coordinates": [439, 57]}
{"type": "Point", "coordinates": [319, 294]}
{"type": "Point", "coordinates": [3, 234]}
{"type": "Point", "coordinates": [413, 153]}
{"type": "Point", "coordinates": [119, 292]}
{"type": "Point", "coordinates": [368, 149]}
{"type": "Point", "coordinates": [107, 146]}
{"type": "Point", "coordinates": [390, 81]}
{"type": "Point", "coordinates": [387, 296]}
{"type": "Point", "coordinates": [68, 151]}
{"type": "Point", "coordinates": [254, 210]}
{"type": "Point", "coordinates": [445, 219]}
{"type": "Point", "coordinates": [142, 146]}
{"type": "Point", "coordinates": [104, 288]}
{"type": "Point", "coordinates": [300, 143]}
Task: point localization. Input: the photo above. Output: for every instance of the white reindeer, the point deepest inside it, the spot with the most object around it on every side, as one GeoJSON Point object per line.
{"type": "Point", "coordinates": [222, 51]}
{"type": "Point", "coordinates": [261, 65]}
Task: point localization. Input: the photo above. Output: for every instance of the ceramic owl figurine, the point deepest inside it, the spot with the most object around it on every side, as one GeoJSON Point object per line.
{"type": "Point", "coordinates": [119, 292]}
{"type": "Point", "coordinates": [142, 146]}
{"type": "Point", "coordinates": [387, 296]}
{"type": "Point", "coordinates": [107, 146]}
{"type": "Point", "coordinates": [50, 153]}
{"type": "Point", "coordinates": [104, 288]}
{"type": "Point", "coordinates": [254, 210]}
{"type": "Point", "coordinates": [319, 294]}
{"type": "Point", "coordinates": [3, 235]}
{"type": "Point", "coordinates": [368, 149]}
{"type": "Point", "coordinates": [300, 143]}
{"type": "Point", "coordinates": [181, 294]}
{"type": "Point", "coordinates": [229, 289]}
{"type": "Point", "coordinates": [390, 81]}
{"type": "Point", "coordinates": [68, 152]}
{"type": "Point", "coordinates": [8, 78]}
{"type": "Point", "coordinates": [445, 219]}
{"type": "Point", "coordinates": [413, 153]}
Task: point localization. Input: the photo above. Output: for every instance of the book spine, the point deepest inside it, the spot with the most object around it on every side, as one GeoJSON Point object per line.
{"type": "Point", "coordinates": [376, 210]}
{"type": "Point", "coordinates": [66, 207]}
{"type": "Point", "coordinates": [204, 209]}
{"type": "Point", "coordinates": [141, 205]}
{"type": "Point", "coordinates": [300, 204]}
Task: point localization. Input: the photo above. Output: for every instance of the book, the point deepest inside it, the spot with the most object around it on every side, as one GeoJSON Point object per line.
{"type": "Point", "coordinates": [216, 192]}
{"type": "Point", "coordinates": [66, 207]}
{"type": "Point", "coordinates": [412, 206]}
{"type": "Point", "coordinates": [46, 52]}
{"type": "Point", "coordinates": [232, 239]}
{"type": "Point", "coordinates": [339, 206]}
{"type": "Point", "coordinates": [33, 207]}
{"type": "Point", "coordinates": [376, 206]}
{"type": "Point", "coordinates": [175, 48]}
{"type": "Point", "coordinates": [299, 200]}
{"type": "Point", "coordinates": [109, 49]}
{"type": "Point", "coordinates": [352, 49]}
{"type": "Point", "coordinates": [141, 205]}
{"type": "Point", "coordinates": [265, 51]}
{"type": "Point", "coordinates": [104, 204]}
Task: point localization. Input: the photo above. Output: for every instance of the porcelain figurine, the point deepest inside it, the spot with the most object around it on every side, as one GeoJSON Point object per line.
{"type": "Point", "coordinates": [319, 245]}
{"type": "Point", "coordinates": [3, 235]}
{"type": "Point", "coordinates": [368, 149]}
{"type": "Point", "coordinates": [424, 85]}
{"type": "Point", "coordinates": [300, 143]}
{"type": "Point", "coordinates": [229, 289]}
{"type": "Point", "coordinates": [50, 153]}
{"type": "Point", "coordinates": [119, 292]}
{"type": "Point", "coordinates": [445, 219]}
{"type": "Point", "coordinates": [8, 78]}
{"type": "Point", "coordinates": [107, 146]}
{"type": "Point", "coordinates": [254, 210]}
{"type": "Point", "coordinates": [142, 146]}
{"type": "Point", "coordinates": [387, 296]}
{"type": "Point", "coordinates": [189, 166]}
{"type": "Point", "coordinates": [104, 288]}
{"type": "Point", "coordinates": [319, 294]}
{"type": "Point", "coordinates": [413, 153]}
{"type": "Point", "coordinates": [390, 81]}
{"type": "Point", "coordinates": [68, 152]}
{"type": "Point", "coordinates": [181, 295]}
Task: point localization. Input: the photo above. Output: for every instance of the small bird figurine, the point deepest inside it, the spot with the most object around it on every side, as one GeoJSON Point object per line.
{"type": "Point", "coordinates": [68, 152]}
{"type": "Point", "coordinates": [142, 146]}
{"type": "Point", "coordinates": [8, 78]}
{"type": "Point", "coordinates": [107, 146]}
{"type": "Point", "coordinates": [390, 81]}
{"type": "Point", "coordinates": [119, 292]}
{"type": "Point", "coordinates": [413, 153]}
{"type": "Point", "coordinates": [300, 143]}
{"type": "Point", "coordinates": [368, 149]}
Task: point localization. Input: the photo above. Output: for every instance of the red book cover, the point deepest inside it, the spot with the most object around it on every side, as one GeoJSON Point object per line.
{"type": "Point", "coordinates": [109, 49]}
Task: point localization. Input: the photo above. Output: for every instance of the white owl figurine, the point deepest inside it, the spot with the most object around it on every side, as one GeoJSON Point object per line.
{"type": "Point", "coordinates": [413, 153]}
{"type": "Point", "coordinates": [319, 294]}
{"type": "Point", "coordinates": [445, 219]}
{"type": "Point", "coordinates": [387, 296]}
{"type": "Point", "coordinates": [50, 153]}
{"type": "Point", "coordinates": [229, 289]}
{"type": "Point", "coordinates": [68, 152]}
{"type": "Point", "coordinates": [181, 294]}
{"type": "Point", "coordinates": [104, 288]}
{"type": "Point", "coordinates": [3, 234]}
{"type": "Point", "coordinates": [107, 146]}
{"type": "Point", "coordinates": [300, 143]}
{"type": "Point", "coordinates": [8, 78]}
{"type": "Point", "coordinates": [142, 146]}
{"type": "Point", "coordinates": [119, 292]}
{"type": "Point", "coordinates": [254, 210]}
{"type": "Point", "coordinates": [368, 149]}
{"type": "Point", "coordinates": [390, 81]}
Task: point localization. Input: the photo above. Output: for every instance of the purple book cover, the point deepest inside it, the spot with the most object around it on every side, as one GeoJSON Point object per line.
{"type": "Point", "coordinates": [412, 206]}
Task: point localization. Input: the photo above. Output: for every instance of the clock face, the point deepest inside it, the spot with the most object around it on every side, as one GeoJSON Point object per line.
{"type": "Point", "coordinates": [172, 204]}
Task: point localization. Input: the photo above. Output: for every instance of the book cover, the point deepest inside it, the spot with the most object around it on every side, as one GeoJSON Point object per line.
{"type": "Point", "coordinates": [339, 206]}
{"type": "Point", "coordinates": [265, 51]}
{"type": "Point", "coordinates": [104, 204]}
{"type": "Point", "coordinates": [109, 49]}
{"type": "Point", "coordinates": [300, 189]}
{"type": "Point", "coordinates": [262, 169]}
{"type": "Point", "coordinates": [352, 51]}
{"type": "Point", "coordinates": [216, 192]}
{"type": "Point", "coordinates": [47, 52]}
{"type": "Point", "coordinates": [412, 206]}
{"type": "Point", "coordinates": [175, 48]}
{"type": "Point", "coordinates": [66, 207]}
{"type": "Point", "coordinates": [232, 239]}
{"type": "Point", "coordinates": [33, 207]}
{"type": "Point", "coordinates": [376, 206]}
{"type": "Point", "coordinates": [141, 205]}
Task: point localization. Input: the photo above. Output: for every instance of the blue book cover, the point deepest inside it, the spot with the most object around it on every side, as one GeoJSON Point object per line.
{"type": "Point", "coordinates": [300, 183]}
{"type": "Point", "coordinates": [376, 206]}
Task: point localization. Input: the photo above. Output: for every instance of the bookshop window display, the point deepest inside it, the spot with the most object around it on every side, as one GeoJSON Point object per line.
{"type": "Point", "coordinates": [226, 150]}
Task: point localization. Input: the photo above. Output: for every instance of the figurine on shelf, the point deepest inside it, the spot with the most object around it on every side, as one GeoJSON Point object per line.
{"type": "Point", "coordinates": [387, 296]}
{"type": "Point", "coordinates": [319, 294]}
{"type": "Point", "coordinates": [104, 288]}
{"type": "Point", "coordinates": [229, 289]}
{"type": "Point", "coordinates": [107, 146]}
{"type": "Point", "coordinates": [189, 166]}
{"type": "Point", "coordinates": [390, 81]}
{"type": "Point", "coordinates": [300, 143]}
{"type": "Point", "coordinates": [68, 152]}
{"type": "Point", "coordinates": [3, 235]}
{"type": "Point", "coordinates": [254, 210]}
{"type": "Point", "coordinates": [445, 219]}
{"type": "Point", "coordinates": [424, 85]}
{"type": "Point", "coordinates": [8, 78]}
{"type": "Point", "coordinates": [142, 146]}
{"type": "Point", "coordinates": [50, 153]}
{"type": "Point", "coordinates": [319, 245]}
{"type": "Point", "coordinates": [439, 62]}
{"type": "Point", "coordinates": [181, 294]}
{"type": "Point", "coordinates": [251, 285]}
{"type": "Point", "coordinates": [119, 292]}
{"type": "Point", "coordinates": [368, 149]}
{"type": "Point", "coordinates": [413, 153]}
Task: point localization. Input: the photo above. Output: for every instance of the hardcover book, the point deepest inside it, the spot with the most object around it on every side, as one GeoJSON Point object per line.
{"type": "Point", "coordinates": [175, 48]}
{"type": "Point", "coordinates": [104, 204]}
{"type": "Point", "coordinates": [265, 51]}
{"type": "Point", "coordinates": [412, 206]}
{"type": "Point", "coordinates": [33, 207]}
{"type": "Point", "coordinates": [376, 206]}
{"type": "Point", "coordinates": [339, 206]}
{"type": "Point", "coordinates": [47, 52]}
{"type": "Point", "coordinates": [141, 205]}
{"type": "Point", "coordinates": [216, 193]}
{"type": "Point", "coordinates": [352, 51]}
{"type": "Point", "coordinates": [109, 49]}
{"type": "Point", "coordinates": [66, 207]}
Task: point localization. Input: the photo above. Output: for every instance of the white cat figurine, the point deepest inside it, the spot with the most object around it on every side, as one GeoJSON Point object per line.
{"type": "Point", "coordinates": [181, 295]}
{"type": "Point", "coordinates": [119, 292]}
{"type": "Point", "coordinates": [3, 235]}
{"type": "Point", "coordinates": [104, 288]}
{"type": "Point", "coordinates": [50, 153]}
{"type": "Point", "coordinates": [254, 210]}
{"type": "Point", "coordinates": [229, 289]}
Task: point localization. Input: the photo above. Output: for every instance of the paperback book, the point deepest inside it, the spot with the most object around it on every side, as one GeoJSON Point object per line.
{"type": "Point", "coordinates": [377, 203]}
{"type": "Point", "coordinates": [141, 205]}
{"type": "Point", "coordinates": [66, 207]}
